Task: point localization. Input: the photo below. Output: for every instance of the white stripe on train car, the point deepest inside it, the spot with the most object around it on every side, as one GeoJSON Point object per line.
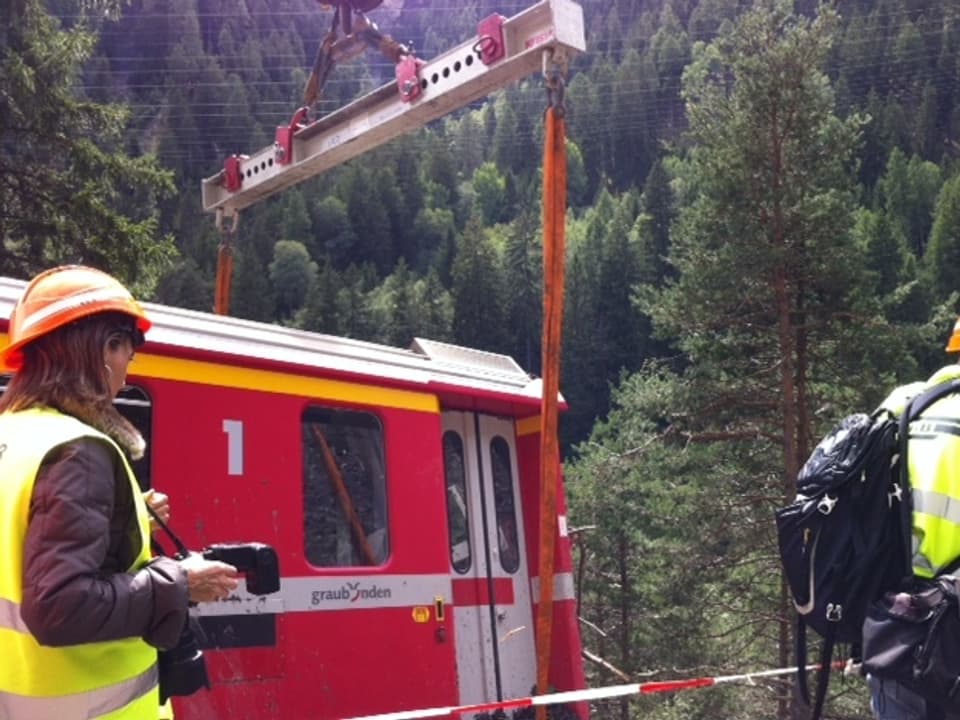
{"type": "Point", "coordinates": [563, 588]}
{"type": "Point", "coordinates": [321, 594]}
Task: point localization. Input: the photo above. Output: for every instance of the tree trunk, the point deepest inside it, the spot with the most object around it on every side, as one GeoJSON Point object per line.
{"type": "Point", "coordinates": [787, 338]}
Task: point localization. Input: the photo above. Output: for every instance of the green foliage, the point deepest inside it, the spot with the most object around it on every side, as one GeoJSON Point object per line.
{"type": "Point", "coordinates": [943, 253]}
{"type": "Point", "coordinates": [909, 190]}
{"type": "Point", "coordinates": [251, 293]}
{"type": "Point", "coordinates": [333, 234]}
{"type": "Point", "coordinates": [489, 193]}
{"type": "Point", "coordinates": [184, 285]}
{"type": "Point", "coordinates": [292, 273]}
{"type": "Point", "coordinates": [576, 176]}
{"type": "Point", "coordinates": [404, 307]}
{"type": "Point", "coordinates": [477, 291]}
{"type": "Point", "coordinates": [773, 302]}
{"type": "Point", "coordinates": [392, 307]}
{"type": "Point", "coordinates": [68, 193]}
{"type": "Point", "coordinates": [605, 334]}
{"type": "Point", "coordinates": [436, 230]}
{"type": "Point", "coordinates": [667, 536]}
{"type": "Point", "coordinates": [522, 271]}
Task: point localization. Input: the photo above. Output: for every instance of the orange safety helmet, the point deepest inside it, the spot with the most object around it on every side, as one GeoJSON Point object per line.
{"type": "Point", "coordinates": [953, 344]}
{"type": "Point", "coordinates": [59, 296]}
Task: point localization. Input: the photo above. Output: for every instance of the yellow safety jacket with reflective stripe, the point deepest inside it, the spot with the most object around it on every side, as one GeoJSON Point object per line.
{"type": "Point", "coordinates": [113, 679]}
{"type": "Point", "coordinates": [934, 460]}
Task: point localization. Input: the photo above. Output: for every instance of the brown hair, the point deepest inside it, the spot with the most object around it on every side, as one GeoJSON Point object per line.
{"type": "Point", "coordinates": [64, 370]}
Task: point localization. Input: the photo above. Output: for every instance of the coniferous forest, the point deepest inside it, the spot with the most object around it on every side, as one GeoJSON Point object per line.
{"type": "Point", "coordinates": [763, 235]}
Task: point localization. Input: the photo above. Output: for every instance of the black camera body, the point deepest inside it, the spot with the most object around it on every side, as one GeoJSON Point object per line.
{"type": "Point", "coordinates": [183, 669]}
{"type": "Point", "coordinates": [256, 561]}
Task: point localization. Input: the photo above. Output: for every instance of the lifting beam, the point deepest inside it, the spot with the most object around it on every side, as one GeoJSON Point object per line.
{"type": "Point", "coordinates": [505, 50]}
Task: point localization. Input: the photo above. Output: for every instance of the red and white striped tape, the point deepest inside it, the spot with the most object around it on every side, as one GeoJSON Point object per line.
{"type": "Point", "coordinates": [570, 696]}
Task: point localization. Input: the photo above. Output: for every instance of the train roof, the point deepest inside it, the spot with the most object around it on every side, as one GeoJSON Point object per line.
{"type": "Point", "coordinates": [426, 364]}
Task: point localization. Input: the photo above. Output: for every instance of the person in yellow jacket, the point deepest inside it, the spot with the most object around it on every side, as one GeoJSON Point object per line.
{"type": "Point", "coordinates": [83, 606]}
{"type": "Point", "coordinates": [934, 459]}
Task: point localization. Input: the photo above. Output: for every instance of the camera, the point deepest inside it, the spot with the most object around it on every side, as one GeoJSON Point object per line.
{"type": "Point", "coordinates": [183, 669]}
{"type": "Point", "coordinates": [256, 561]}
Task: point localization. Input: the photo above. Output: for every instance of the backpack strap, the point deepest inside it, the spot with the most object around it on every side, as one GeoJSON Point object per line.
{"type": "Point", "coordinates": [823, 674]}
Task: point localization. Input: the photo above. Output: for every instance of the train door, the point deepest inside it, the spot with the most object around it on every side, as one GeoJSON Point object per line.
{"type": "Point", "coordinates": [490, 580]}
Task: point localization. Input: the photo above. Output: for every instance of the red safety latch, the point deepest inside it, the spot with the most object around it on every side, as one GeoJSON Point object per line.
{"type": "Point", "coordinates": [283, 142]}
{"type": "Point", "coordinates": [233, 173]}
{"type": "Point", "coordinates": [490, 45]}
{"type": "Point", "coordinates": [408, 78]}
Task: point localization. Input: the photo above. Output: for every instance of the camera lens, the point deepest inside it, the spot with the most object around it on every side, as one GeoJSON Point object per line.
{"type": "Point", "coordinates": [183, 669]}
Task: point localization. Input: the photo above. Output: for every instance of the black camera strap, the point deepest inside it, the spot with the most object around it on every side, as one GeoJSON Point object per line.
{"type": "Point", "coordinates": [177, 542]}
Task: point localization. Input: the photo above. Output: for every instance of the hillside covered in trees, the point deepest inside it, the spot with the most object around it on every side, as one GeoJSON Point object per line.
{"type": "Point", "coordinates": [763, 234]}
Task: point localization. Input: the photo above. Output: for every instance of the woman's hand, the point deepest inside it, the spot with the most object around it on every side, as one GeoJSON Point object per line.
{"type": "Point", "coordinates": [160, 504]}
{"type": "Point", "coordinates": [208, 580]}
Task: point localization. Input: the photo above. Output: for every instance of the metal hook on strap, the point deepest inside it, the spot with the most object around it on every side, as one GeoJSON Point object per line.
{"type": "Point", "coordinates": [221, 292]}
{"type": "Point", "coordinates": [554, 71]}
{"type": "Point", "coordinates": [234, 221]}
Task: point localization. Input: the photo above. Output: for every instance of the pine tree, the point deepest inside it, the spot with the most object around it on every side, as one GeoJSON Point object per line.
{"type": "Point", "coordinates": [69, 194]}
{"type": "Point", "coordinates": [292, 273]}
{"type": "Point", "coordinates": [769, 309]}
{"type": "Point", "coordinates": [523, 290]}
{"type": "Point", "coordinates": [943, 253]}
{"type": "Point", "coordinates": [433, 307]}
{"type": "Point", "coordinates": [477, 291]}
{"type": "Point", "coordinates": [333, 234]}
{"type": "Point", "coordinates": [319, 311]}
{"type": "Point", "coordinates": [393, 307]}
{"type": "Point", "coordinates": [437, 231]}
{"type": "Point", "coordinates": [489, 193]}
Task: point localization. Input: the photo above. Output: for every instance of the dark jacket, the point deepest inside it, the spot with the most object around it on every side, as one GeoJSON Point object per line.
{"type": "Point", "coordinates": [81, 537]}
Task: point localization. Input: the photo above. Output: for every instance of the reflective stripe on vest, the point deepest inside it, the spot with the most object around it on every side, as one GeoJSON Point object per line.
{"type": "Point", "coordinates": [82, 681]}
{"type": "Point", "coordinates": [938, 504]}
{"type": "Point", "coordinates": [10, 616]}
{"type": "Point", "coordinates": [83, 706]}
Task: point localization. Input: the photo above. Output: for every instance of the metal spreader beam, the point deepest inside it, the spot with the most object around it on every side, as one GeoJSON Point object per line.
{"type": "Point", "coordinates": [505, 50]}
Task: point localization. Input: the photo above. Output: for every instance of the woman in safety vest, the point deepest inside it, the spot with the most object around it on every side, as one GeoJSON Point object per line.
{"type": "Point", "coordinates": [83, 607]}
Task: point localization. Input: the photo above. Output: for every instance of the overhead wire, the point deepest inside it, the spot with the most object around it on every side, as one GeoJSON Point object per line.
{"type": "Point", "coordinates": [588, 121]}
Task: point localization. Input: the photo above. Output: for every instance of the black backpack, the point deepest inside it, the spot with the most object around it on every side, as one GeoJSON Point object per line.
{"type": "Point", "coordinates": [846, 539]}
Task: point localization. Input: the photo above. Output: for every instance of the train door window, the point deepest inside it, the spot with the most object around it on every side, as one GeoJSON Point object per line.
{"type": "Point", "coordinates": [458, 521]}
{"type": "Point", "coordinates": [505, 505]}
{"type": "Point", "coordinates": [344, 488]}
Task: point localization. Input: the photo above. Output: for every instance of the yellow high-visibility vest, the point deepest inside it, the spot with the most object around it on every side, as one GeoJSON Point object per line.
{"type": "Point", "coordinates": [934, 460]}
{"type": "Point", "coordinates": [108, 680]}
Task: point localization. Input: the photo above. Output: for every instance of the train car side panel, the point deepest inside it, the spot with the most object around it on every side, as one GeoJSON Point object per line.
{"type": "Point", "coordinates": [565, 673]}
{"type": "Point", "coordinates": [347, 634]}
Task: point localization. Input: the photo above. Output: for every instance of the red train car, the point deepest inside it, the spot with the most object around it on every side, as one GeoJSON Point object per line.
{"type": "Point", "coordinates": [399, 488]}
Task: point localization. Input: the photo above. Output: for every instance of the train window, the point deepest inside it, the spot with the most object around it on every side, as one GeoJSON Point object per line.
{"type": "Point", "coordinates": [344, 487]}
{"type": "Point", "coordinates": [504, 505]}
{"type": "Point", "coordinates": [134, 404]}
{"type": "Point", "coordinates": [458, 521]}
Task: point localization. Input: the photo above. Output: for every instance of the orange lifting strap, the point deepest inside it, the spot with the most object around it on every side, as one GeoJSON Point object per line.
{"type": "Point", "coordinates": [221, 294]}
{"type": "Point", "coordinates": [554, 212]}
{"type": "Point", "coordinates": [221, 291]}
